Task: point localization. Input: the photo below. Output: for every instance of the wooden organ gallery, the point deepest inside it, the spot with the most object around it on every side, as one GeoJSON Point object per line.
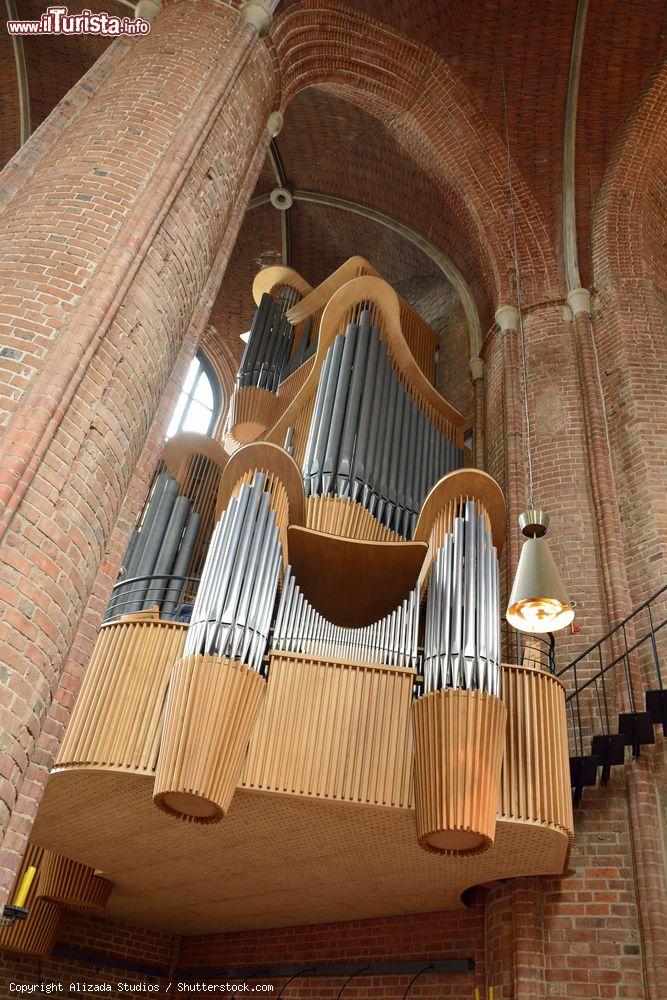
{"type": "Point", "coordinates": [296, 710]}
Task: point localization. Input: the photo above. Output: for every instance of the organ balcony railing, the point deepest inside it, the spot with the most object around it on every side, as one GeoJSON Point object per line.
{"type": "Point", "coordinates": [297, 708]}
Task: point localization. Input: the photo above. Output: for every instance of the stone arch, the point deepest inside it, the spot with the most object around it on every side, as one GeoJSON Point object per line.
{"type": "Point", "coordinates": [415, 94]}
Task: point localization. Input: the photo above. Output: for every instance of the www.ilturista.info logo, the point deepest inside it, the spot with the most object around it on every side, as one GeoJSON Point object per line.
{"type": "Point", "coordinates": [59, 21]}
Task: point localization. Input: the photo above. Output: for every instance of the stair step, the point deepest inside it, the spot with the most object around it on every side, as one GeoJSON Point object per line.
{"type": "Point", "coordinates": [609, 748]}
{"type": "Point", "coordinates": [637, 728]}
{"type": "Point", "coordinates": [656, 705]}
{"type": "Point", "coordinates": [583, 774]}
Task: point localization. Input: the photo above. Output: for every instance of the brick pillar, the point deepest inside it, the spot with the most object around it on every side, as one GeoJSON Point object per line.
{"type": "Point", "coordinates": [645, 812]}
{"type": "Point", "coordinates": [125, 215]}
{"type": "Point", "coordinates": [514, 934]}
{"type": "Point", "coordinates": [507, 318]}
{"type": "Point", "coordinates": [477, 372]}
{"type": "Point", "coordinates": [603, 488]}
{"type": "Point", "coordinates": [628, 325]}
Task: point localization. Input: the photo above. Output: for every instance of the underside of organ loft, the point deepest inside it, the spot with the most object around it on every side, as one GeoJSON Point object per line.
{"type": "Point", "coordinates": [298, 704]}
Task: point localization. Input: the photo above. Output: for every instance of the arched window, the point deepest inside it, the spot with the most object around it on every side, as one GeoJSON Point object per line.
{"type": "Point", "coordinates": [198, 405]}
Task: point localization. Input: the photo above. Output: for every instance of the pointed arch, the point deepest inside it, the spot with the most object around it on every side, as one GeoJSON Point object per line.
{"type": "Point", "coordinates": [430, 112]}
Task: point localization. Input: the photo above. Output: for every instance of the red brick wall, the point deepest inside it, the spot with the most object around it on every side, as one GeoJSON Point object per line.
{"type": "Point", "coordinates": [427, 937]}
{"type": "Point", "coordinates": [68, 506]}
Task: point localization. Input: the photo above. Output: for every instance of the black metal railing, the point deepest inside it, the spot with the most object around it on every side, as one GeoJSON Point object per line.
{"type": "Point", "coordinates": [537, 650]}
{"type": "Point", "coordinates": [616, 693]}
{"type": "Point", "coordinates": [171, 596]}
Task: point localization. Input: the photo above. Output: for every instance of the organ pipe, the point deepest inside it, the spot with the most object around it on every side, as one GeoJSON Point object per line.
{"type": "Point", "coordinates": [234, 605]}
{"type": "Point", "coordinates": [159, 554]}
{"type": "Point", "coordinates": [392, 640]}
{"type": "Point", "coordinates": [462, 628]}
{"type": "Point", "coordinates": [368, 440]}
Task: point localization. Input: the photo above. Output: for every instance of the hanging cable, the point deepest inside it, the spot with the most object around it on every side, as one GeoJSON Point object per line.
{"type": "Point", "coordinates": [517, 281]}
{"type": "Point", "coordinates": [427, 968]}
{"type": "Point", "coordinates": [291, 979]}
{"type": "Point", "coordinates": [349, 980]}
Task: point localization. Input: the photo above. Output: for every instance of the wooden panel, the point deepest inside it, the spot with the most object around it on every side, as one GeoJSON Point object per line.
{"type": "Point", "coordinates": [449, 492]}
{"type": "Point", "coordinates": [459, 743]}
{"type": "Point", "coordinates": [37, 934]}
{"type": "Point", "coordinates": [197, 462]}
{"type": "Point", "coordinates": [181, 447]}
{"type": "Point", "coordinates": [277, 274]}
{"type": "Point", "coordinates": [362, 581]}
{"type": "Point", "coordinates": [117, 718]}
{"type": "Point", "coordinates": [336, 730]}
{"type": "Point", "coordinates": [344, 517]}
{"type": "Point", "coordinates": [421, 339]}
{"type": "Point", "coordinates": [288, 388]}
{"type": "Point", "coordinates": [284, 858]}
{"type": "Point", "coordinates": [275, 462]}
{"type": "Point", "coordinates": [276, 860]}
{"type": "Point", "coordinates": [343, 306]}
{"type": "Point", "coordinates": [211, 711]}
{"type": "Point", "coordinates": [72, 884]}
{"type": "Point", "coordinates": [252, 412]}
{"type": "Point", "coordinates": [535, 781]}
{"type": "Point", "coordinates": [316, 300]}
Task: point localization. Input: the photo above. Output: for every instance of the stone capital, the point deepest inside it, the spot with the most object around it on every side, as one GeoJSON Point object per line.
{"type": "Point", "coordinates": [274, 124]}
{"type": "Point", "coordinates": [507, 318]}
{"type": "Point", "coordinates": [148, 9]}
{"type": "Point", "coordinates": [257, 15]}
{"type": "Point", "coordinates": [579, 301]}
{"type": "Point", "coordinates": [476, 368]}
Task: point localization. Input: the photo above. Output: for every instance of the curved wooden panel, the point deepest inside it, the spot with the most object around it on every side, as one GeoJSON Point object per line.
{"type": "Point", "coordinates": [463, 484]}
{"type": "Point", "coordinates": [377, 295]}
{"type": "Point", "coordinates": [421, 339]}
{"type": "Point", "coordinates": [353, 582]}
{"type": "Point", "coordinates": [358, 855]}
{"type": "Point", "coordinates": [288, 389]}
{"type": "Point", "coordinates": [211, 711]}
{"type": "Point", "coordinates": [197, 462]}
{"type": "Point", "coordinates": [117, 718]}
{"type": "Point", "coordinates": [459, 743]}
{"type": "Point", "coordinates": [37, 934]}
{"type": "Point", "coordinates": [340, 731]}
{"type": "Point", "coordinates": [72, 884]}
{"type": "Point", "coordinates": [277, 464]}
{"type": "Point", "coordinates": [179, 449]}
{"type": "Point", "coordinates": [318, 297]}
{"type": "Point", "coordinates": [252, 412]}
{"type": "Point", "coordinates": [346, 518]}
{"type": "Point", "coordinates": [278, 274]}
{"type": "Point", "coordinates": [535, 780]}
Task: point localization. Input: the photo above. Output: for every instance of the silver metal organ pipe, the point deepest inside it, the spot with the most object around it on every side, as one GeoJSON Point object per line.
{"type": "Point", "coordinates": [462, 629]}
{"type": "Point", "coordinates": [234, 605]}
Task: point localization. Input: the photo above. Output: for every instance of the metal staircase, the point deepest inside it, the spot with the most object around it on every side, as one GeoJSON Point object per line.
{"type": "Point", "coordinates": [610, 707]}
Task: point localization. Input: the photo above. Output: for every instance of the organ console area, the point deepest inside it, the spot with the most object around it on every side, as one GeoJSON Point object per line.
{"type": "Point", "coordinates": [297, 708]}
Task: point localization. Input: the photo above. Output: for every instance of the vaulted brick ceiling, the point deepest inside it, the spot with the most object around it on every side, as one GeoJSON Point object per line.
{"type": "Point", "coordinates": [328, 145]}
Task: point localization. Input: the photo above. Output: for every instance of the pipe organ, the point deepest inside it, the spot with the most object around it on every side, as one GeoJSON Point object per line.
{"type": "Point", "coordinates": [233, 608]}
{"type": "Point", "coordinates": [368, 439]}
{"type": "Point", "coordinates": [462, 628]}
{"type": "Point", "coordinates": [309, 643]}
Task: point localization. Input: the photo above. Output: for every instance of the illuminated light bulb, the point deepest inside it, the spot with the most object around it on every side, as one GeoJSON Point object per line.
{"type": "Point", "coordinates": [24, 888]}
{"type": "Point", "coordinates": [538, 602]}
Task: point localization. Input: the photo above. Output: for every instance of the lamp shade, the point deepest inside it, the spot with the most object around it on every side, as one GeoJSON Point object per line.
{"type": "Point", "coordinates": [538, 602]}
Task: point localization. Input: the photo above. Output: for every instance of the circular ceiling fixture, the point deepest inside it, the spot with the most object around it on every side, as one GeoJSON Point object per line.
{"type": "Point", "coordinates": [281, 199]}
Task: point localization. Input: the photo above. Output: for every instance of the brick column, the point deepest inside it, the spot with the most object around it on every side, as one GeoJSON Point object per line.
{"type": "Point", "coordinates": [477, 372]}
{"type": "Point", "coordinates": [514, 935]}
{"type": "Point", "coordinates": [603, 488]}
{"type": "Point", "coordinates": [507, 318]}
{"type": "Point", "coordinates": [111, 251]}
